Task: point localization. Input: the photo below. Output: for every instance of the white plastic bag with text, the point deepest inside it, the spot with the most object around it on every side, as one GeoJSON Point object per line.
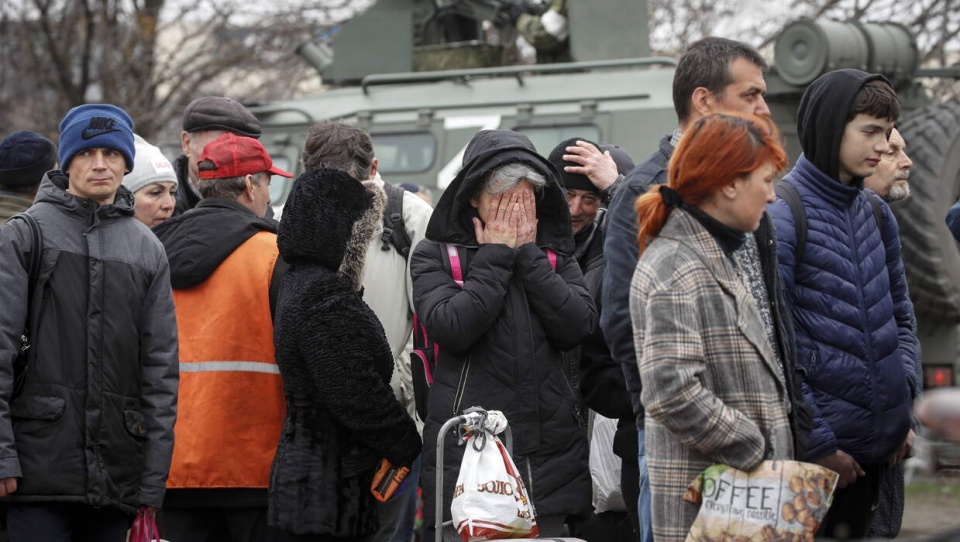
{"type": "Point", "coordinates": [490, 501]}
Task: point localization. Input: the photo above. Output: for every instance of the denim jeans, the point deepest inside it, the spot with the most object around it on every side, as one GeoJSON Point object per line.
{"type": "Point", "coordinates": [643, 502]}
{"type": "Point", "coordinates": [408, 508]}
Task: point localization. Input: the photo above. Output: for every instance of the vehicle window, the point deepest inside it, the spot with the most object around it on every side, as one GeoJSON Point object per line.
{"type": "Point", "coordinates": [545, 138]}
{"type": "Point", "coordinates": [280, 186]}
{"type": "Point", "coordinates": [404, 152]}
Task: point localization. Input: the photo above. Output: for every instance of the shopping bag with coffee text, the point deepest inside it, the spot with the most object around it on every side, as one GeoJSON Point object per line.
{"type": "Point", "coordinates": [777, 501]}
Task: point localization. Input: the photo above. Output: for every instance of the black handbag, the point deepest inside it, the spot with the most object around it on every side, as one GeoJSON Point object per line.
{"type": "Point", "coordinates": [36, 250]}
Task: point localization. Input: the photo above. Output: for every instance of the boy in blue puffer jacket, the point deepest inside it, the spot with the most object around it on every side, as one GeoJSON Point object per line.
{"type": "Point", "coordinates": [856, 339]}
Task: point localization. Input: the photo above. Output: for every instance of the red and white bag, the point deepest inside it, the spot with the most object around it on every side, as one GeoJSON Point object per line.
{"type": "Point", "coordinates": [490, 501]}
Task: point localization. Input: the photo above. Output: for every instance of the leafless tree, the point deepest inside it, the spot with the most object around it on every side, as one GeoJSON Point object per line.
{"type": "Point", "coordinates": [153, 56]}
{"type": "Point", "coordinates": [150, 56]}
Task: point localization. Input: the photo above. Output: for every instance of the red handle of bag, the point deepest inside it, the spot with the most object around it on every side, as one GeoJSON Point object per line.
{"type": "Point", "coordinates": [144, 528]}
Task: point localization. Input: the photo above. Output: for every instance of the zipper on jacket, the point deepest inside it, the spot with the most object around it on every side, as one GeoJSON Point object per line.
{"type": "Point", "coordinates": [461, 386]}
{"type": "Point", "coordinates": [871, 364]}
{"type": "Point", "coordinates": [574, 402]}
{"type": "Point", "coordinates": [529, 477]}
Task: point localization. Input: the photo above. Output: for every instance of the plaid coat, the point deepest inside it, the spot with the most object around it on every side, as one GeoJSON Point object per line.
{"type": "Point", "coordinates": [711, 391]}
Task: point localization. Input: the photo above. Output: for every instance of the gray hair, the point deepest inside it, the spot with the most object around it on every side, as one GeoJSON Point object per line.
{"type": "Point", "coordinates": [505, 177]}
{"type": "Point", "coordinates": [227, 187]}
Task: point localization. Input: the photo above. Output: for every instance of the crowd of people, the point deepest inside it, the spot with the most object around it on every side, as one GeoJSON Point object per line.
{"type": "Point", "coordinates": [167, 347]}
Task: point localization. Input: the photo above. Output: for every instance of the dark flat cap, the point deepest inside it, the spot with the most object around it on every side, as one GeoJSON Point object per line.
{"type": "Point", "coordinates": [24, 157]}
{"type": "Point", "coordinates": [219, 113]}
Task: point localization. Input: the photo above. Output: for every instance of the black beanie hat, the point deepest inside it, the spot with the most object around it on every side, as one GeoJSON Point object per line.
{"type": "Point", "coordinates": [24, 157]}
{"type": "Point", "coordinates": [571, 180]}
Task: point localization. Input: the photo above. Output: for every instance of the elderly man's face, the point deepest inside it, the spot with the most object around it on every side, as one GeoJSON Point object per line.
{"type": "Point", "coordinates": [584, 206]}
{"type": "Point", "coordinates": [889, 180]}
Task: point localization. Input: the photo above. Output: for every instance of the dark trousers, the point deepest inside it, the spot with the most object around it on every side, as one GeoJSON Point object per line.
{"type": "Point", "coordinates": [889, 515]}
{"type": "Point", "coordinates": [66, 522]}
{"type": "Point", "coordinates": [242, 524]}
{"type": "Point", "coordinates": [629, 474]}
{"type": "Point", "coordinates": [853, 507]}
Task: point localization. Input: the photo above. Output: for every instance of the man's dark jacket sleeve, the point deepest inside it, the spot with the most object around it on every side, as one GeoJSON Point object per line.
{"type": "Point", "coordinates": [620, 249]}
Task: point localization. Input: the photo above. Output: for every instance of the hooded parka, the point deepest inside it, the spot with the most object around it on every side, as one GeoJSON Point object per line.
{"type": "Point", "coordinates": [94, 421]}
{"type": "Point", "coordinates": [501, 334]}
{"type": "Point", "coordinates": [336, 364]}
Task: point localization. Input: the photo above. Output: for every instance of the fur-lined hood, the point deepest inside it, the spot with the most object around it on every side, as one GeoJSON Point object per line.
{"type": "Point", "coordinates": [328, 220]}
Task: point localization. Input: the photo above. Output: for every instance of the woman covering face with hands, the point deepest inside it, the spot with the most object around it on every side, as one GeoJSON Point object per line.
{"type": "Point", "coordinates": [509, 217]}
{"type": "Point", "coordinates": [505, 218]}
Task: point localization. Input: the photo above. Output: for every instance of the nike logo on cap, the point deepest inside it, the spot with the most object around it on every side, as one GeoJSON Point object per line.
{"type": "Point", "coordinates": [99, 126]}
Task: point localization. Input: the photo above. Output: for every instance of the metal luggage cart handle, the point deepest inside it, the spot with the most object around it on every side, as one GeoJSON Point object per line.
{"type": "Point", "coordinates": [467, 417]}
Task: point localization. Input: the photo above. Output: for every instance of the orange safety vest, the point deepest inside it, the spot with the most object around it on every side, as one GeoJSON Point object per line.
{"type": "Point", "coordinates": [231, 406]}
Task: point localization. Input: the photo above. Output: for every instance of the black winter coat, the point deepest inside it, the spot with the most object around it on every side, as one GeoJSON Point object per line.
{"type": "Point", "coordinates": [602, 383]}
{"type": "Point", "coordinates": [501, 335]}
{"type": "Point", "coordinates": [342, 416]}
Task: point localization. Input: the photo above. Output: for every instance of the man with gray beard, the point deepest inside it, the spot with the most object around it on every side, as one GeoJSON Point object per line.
{"type": "Point", "coordinates": [889, 181]}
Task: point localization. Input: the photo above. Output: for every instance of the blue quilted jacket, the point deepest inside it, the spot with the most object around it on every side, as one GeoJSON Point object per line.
{"type": "Point", "coordinates": [853, 317]}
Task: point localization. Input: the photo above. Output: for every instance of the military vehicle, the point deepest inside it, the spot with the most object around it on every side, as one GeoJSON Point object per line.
{"type": "Point", "coordinates": [420, 118]}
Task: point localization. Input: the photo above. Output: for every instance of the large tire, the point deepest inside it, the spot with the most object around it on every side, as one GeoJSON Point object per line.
{"type": "Point", "coordinates": [930, 254]}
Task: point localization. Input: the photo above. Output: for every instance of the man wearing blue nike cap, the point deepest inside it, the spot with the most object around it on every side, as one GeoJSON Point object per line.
{"type": "Point", "coordinates": [87, 413]}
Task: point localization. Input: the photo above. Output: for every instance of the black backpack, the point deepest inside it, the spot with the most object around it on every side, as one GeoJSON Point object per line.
{"type": "Point", "coordinates": [788, 193]}
{"type": "Point", "coordinates": [394, 229]}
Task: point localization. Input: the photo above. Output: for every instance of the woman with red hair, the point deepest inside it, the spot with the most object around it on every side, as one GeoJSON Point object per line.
{"type": "Point", "coordinates": [713, 388]}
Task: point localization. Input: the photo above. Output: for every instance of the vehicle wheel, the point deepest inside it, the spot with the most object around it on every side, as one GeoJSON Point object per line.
{"type": "Point", "coordinates": [931, 256]}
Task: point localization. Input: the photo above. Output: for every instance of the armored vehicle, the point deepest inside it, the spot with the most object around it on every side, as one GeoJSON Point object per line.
{"type": "Point", "coordinates": [420, 118]}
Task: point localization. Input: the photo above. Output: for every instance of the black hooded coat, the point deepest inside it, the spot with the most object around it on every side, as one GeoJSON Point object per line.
{"type": "Point", "coordinates": [342, 416]}
{"type": "Point", "coordinates": [501, 334]}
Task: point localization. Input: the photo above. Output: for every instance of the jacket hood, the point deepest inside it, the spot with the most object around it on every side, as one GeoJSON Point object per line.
{"type": "Point", "coordinates": [823, 113]}
{"type": "Point", "coordinates": [328, 220]}
{"type": "Point", "coordinates": [450, 222]}
{"type": "Point", "coordinates": [53, 189]}
{"type": "Point", "coordinates": [200, 239]}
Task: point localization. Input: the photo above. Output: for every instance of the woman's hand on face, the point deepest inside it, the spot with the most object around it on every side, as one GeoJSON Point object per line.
{"type": "Point", "coordinates": [501, 223]}
{"type": "Point", "coordinates": [527, 226]}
